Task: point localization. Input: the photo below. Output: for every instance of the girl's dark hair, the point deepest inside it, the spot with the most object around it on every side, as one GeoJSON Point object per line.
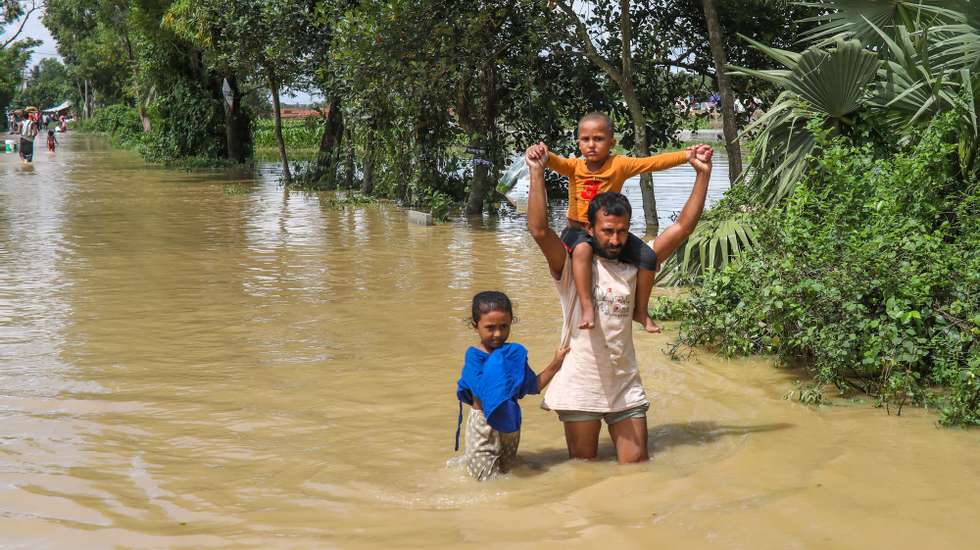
{"type": "Point", "coordinates": [490, 300]}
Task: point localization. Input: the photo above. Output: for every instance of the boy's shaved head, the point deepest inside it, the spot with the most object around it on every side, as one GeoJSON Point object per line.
{"type": "Point", "coordinates": [596, 116]}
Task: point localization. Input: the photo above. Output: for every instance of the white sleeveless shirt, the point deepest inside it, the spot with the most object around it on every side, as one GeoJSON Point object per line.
{"type": "Point", "coordinates": [600, 372]}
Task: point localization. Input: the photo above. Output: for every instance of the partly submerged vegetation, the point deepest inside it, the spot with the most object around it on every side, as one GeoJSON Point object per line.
{"type": "Point", "coordinates": [852, 245]}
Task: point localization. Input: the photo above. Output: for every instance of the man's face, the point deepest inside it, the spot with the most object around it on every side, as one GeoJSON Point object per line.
{"type": "Point", "coordinates": [594, 140]}
{"type": "Point", "coordinates": [609, 233]}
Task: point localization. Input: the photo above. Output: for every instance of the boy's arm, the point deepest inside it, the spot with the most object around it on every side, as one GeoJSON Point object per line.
{"type": "Point", "coordinates": [549, 372]}
{"type": "Point", "coordinates": [537, 212]}
{"type": "Point", "coordinates": [655, 163]}
{"type": "Point", "coordinates": [668, 241]}
{"type": "Point", "coordinates": [562, 165]}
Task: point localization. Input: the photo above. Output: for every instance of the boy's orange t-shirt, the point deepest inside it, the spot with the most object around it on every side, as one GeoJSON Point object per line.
{"type": "Point", "coordinates": [584, 185]}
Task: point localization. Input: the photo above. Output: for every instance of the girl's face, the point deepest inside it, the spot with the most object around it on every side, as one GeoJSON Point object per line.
{"type": "Point", "coordinates": [493, 328]}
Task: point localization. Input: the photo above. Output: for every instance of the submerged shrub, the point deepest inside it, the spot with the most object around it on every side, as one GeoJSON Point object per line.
{"type": "Point", "coordinates": [869, 274]}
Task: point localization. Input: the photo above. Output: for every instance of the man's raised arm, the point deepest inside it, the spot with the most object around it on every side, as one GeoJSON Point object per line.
{"type": "Point", "coordinates": [668, 241]}
{"type": "Point", "coordinates": [537, 211]}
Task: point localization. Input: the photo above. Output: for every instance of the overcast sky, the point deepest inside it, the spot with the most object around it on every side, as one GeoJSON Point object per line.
{"type": "Point", "coordinates": [35, 29]}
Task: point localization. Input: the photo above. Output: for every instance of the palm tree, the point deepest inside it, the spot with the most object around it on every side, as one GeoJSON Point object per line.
{"type": "Point", "coordinates": [901, 61]}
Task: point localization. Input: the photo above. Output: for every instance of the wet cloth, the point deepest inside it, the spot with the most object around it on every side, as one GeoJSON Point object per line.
{"type": "Point", "coordinates": [600, 373]}
{"type": "Point", "coordinates": [488, 452]}
{"type": "Point", "coordinates": [497, 380]}
{"type": "Point", "coordinates": [584, 185]}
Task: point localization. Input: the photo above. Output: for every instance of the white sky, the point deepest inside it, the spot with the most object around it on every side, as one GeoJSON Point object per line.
{"type": "Point", "coordinates": [48, 48]}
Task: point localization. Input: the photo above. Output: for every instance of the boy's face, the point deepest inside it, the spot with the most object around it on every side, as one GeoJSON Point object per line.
{"type": "Point", "coordinates": [594, 140]}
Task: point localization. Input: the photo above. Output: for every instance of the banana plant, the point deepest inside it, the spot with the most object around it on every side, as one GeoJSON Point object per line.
{"type": "Point", "coordinates": [904, 62]}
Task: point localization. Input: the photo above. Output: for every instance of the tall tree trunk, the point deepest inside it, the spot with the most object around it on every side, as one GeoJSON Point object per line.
{"type": "Point", "coordinates": [277, 114]}
{"type": "Point", "coordinates": [641, 148]}
{"type": "Point", "coordinates": [367, 184]}
{"type": "Point", "coordinates": [88, 105]}
{"type": "Point", "coordinates": [144, 117]}
{"type": "Point", "coordinates": [326, 157]}
{"type": "Point", "coordinates": [725, 89]}
{"type": "Point", "coordinates": [623, 77]}
{"type": "Point", "coordinates": [482, 180]}
{"type": "Point", "coordinates": [237, 134]}
{"type": "Point", "coordinates": [349, 164]}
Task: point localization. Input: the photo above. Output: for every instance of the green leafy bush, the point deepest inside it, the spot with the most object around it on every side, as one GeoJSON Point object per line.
{"type": "Point", "coordinates": [869, 274]}
{"type": "Point", "coordinates": [120, 122]}
{"type": "Point", "coordinates": [186, 122]}
{"type": "Point", "coordinates": [297, 134]}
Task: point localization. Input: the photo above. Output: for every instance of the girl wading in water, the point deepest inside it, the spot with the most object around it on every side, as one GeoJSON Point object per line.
{"type": "Point", "coordinates": [495, 375]}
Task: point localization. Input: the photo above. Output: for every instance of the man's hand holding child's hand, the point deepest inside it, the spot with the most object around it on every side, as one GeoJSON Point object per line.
{"type": "Point", "coordinates": [700, 157]}
{"type": "Point", "coordinates": [536, 156]}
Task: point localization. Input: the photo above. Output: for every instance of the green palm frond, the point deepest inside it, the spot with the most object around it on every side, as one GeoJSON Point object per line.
{"type": "Point", "coordinates": [823, 87]}
{"type": "Point", "coordinates": [712, 246]}
{"type": "Point", "coordinates": [858, 19]}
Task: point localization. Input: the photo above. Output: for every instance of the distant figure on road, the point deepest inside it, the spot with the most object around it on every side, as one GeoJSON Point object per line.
{"type": "Point", "coordinates": [28, 131]}
{"type": "Point", "coordinates": [52, 141]}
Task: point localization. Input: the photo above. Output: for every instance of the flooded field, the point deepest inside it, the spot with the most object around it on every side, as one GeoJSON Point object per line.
{"type": "Point", "coordinates": [205, 360]}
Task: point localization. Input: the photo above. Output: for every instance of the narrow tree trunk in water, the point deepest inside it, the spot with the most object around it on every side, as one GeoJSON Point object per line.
{"type": "Point", "coordinates": [349, 175]}
{"type": "Point", "coordinates": [481, 184]}
{"type": "Point", "coordinates": [725, 90]}
{"type": "Point", "coordinates": [277, 114]}
{"type": "Point", "coordinates": [482, 180]}
{"type": "Point", "coordinates": [326, 157]}
{"type": "Point", "coordinates": [236, 124]}
{"type": "Point", "coordinates": [367, 184]}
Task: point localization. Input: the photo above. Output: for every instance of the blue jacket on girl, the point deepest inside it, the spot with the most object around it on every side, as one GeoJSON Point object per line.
{"type": "Point", "coordinates": [498, 379]}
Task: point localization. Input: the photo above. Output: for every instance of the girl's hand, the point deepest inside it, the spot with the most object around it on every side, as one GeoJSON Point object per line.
{"type": "Point", "coordinates": [559, 357]}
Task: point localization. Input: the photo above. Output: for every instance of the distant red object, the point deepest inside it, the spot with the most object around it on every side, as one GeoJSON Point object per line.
{"type": "Point", "coordinates": [297, 113]}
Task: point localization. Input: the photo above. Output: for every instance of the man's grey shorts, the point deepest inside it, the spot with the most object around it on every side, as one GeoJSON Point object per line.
{"type": "Point", "coordinates": [639, 411]}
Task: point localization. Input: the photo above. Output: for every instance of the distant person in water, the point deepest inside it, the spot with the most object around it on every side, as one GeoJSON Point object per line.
{"type": "Point", "coordinates": [28, 131]}
{"type": "Point", "coordinates": [52, 141]}
{"type": "Point", "coordinates": [600, 380]}
{"type": "Point", "coordinates": [598, 171]}
{"type": "Point", "coordinates": [495, 375]}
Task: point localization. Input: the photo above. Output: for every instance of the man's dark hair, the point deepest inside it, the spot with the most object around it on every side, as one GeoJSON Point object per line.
{"type": "Point", "coordinates": [600, 117]}
{"type": "Point", "coordinates": [490, 300]}
{"type": "Point", "coordinates": [612, 204]}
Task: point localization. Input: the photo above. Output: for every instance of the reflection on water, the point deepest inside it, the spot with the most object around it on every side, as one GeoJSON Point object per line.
{"type": "Point", "coordinates": [181, 366]}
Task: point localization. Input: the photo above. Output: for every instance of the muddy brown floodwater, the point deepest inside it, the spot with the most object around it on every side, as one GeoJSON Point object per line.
{"type": "Point", "coordinates": [202, 360]}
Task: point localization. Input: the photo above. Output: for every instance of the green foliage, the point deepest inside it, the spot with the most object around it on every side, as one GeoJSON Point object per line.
{"type": "Point", "coordinates": [880, 70]}
{"type": "Point", "coordinates": [298, 134]}
{"type": "Point", "coordinates": [120, 122]}
{"type": "Point", "coordinates": [665, 308]}
{"type": "Point", "coordinates": [869, 274]}
{"type": "Point", "coordinates": [13, 60]}
{"type": "Point", "coordinates": [186, 124]}
{"type": "Point", "coordinates": [47, 85]}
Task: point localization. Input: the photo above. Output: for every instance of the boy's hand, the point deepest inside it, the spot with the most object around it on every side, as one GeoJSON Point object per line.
{"type": "Point", "coordinates": [700, 157]}
{"type": "Point", "coordinates": [559, 357]}
{"type": "Point", "coordinates": [536, 156]}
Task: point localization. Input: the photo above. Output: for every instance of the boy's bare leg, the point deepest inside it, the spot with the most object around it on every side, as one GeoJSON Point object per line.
{"type": "Point", "coordinates": [582, 275]}
{"type": "Point", "coordinates": [641, 313]}
{"type": "Point", "coordinates": [582, 439]}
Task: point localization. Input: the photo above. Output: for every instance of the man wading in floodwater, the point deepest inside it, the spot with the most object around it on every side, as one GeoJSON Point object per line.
{"type": "Point", "coordinates": [600, 380]}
